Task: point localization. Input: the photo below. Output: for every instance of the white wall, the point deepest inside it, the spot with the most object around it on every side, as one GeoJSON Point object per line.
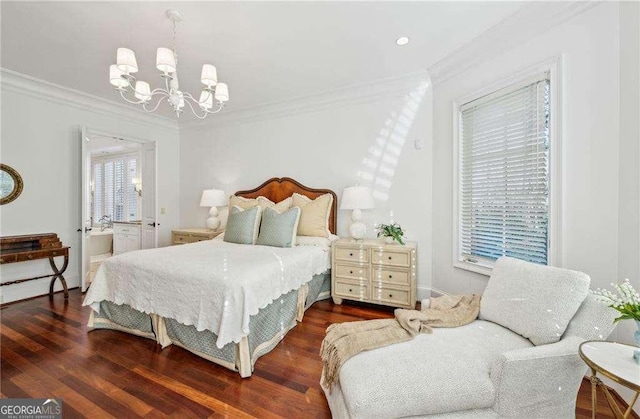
{"type": "Point", "coordinates": [352, 137]}
{"type": "Point", "coordinates": [40, 139]}
{"type": "Point", "coordinates": [629, 161]}
{"type": "Point", "coordinates": [600, 155]}
{"type": "Point", "coordinates": [590, 71]}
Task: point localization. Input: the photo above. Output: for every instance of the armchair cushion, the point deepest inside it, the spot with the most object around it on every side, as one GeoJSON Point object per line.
{"type": "Point", "coordinates": [593, 321]}
{"type": "Point", "coordinates": [532, 300]}
{"type": "Point", "coordinates": [446, 371]}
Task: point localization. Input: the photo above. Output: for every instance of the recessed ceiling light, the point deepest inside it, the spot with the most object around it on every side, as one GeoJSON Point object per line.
{"type": "Point", "coordinates": [403, 40]}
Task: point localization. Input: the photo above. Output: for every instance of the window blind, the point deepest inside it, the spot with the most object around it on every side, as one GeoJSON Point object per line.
{"type": "Point", "coordinates": [98, 200]}
{"type": "Point", "coordinates": [109, 201]}
{"type": "Point", "coordinates": [504, 174]}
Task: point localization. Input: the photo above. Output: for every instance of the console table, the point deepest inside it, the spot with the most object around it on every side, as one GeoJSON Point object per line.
{"type": "Point", "coordinates": [32, 247]}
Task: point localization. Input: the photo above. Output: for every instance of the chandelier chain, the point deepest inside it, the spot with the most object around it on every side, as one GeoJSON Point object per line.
{"type": "Point", "coordinates": [173, 41]}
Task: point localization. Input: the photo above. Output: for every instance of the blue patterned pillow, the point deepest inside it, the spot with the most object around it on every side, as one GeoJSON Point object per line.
{"type": "Point", "coordinates": [242, 225]}
{"type": "Point", "coordinates": [278, 229]}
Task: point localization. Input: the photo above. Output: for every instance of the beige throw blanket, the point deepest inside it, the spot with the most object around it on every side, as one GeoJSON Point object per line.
{"type": "Point", "coordinates": [344, 340]}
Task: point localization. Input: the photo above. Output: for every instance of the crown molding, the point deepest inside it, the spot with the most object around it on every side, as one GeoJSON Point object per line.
{"type": "Point", "coordinates": [12, 81]}
{"type": "Point", "coordinates": [394, 87]}
{"type": "Point", "coordinates": [526, 23]}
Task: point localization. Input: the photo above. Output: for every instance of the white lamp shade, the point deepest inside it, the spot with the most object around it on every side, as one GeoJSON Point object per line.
{"type": "Point", "coordinates": [165, 60]}
{"type": "Point", "coordinates": [222, 92]}
{"type": "Point", "coordinates": [126, 60]}
{"type": "Point", "coordinates": [357, 197]}
{"type": "Point", "coordinates": [143, 91]}
{"type": "Point", "coordinates": [206, 100]}
{"type": "Point", "coordinates": [213, 198]}
{"type": "Point", "coordinates": [209, 75]}
{"type": "Point", "coordinates": [115, 77]}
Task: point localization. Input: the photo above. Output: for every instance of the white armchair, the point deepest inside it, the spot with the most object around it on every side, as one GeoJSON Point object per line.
{"type": "Point", "coordinates": [491, 367]}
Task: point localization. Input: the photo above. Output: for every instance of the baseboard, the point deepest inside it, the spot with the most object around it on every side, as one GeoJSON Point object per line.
{"type": "Point", "coordinates": [422, 293]}
{"type": "Point", "coordinates": [438, 293]}
{"type": "Point", "coordinates": [621, 402]}
{"type": "Point", "coordinates": [4, 305]}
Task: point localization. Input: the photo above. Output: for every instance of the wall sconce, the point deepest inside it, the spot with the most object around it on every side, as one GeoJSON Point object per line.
{"type": "Point", "coordinates": [137, 185]}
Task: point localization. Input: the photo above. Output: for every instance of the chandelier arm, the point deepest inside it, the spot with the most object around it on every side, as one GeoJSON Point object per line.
{"type": "Point", "coordinates": [144, 105]}
{"type": "Point", "coordinates": [188, 95]}
{"type": "Point", "coordinates": [220, 106]}
{"type": "Point", "coordinates": [204, 115]}
{"type": "Point", "coordinates": [159, 91]}
{"type": "Point", "coordinates": [206, 111]}
{"type": "Point", "coordinates": [129, 78]}
{"type": "Point", "coordinates": [135, 102]}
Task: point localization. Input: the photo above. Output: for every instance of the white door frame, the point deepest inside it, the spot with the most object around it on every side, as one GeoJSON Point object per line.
{"type": "Point", "coordinates": [85, 158]}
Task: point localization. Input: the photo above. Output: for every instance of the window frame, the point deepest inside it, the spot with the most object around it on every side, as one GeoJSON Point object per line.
{"type": "Point", "coordinates": [553, 66]}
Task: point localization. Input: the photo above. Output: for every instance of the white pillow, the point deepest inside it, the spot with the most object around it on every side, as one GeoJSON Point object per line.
{"type": "Point", "coordinates": [314, 219]}
{"type": "Point", "coordinates": [261, 201]}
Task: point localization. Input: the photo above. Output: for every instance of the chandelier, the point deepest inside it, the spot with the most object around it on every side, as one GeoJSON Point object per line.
{"type": "Point", "coordinates": [121, 76]}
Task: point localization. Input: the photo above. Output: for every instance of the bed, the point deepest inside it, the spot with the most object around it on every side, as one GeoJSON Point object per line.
{"type": "Point", "coordinates": [228, 303]}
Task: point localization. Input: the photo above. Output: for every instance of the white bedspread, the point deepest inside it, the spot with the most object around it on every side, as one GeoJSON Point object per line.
{"type": "Point", "coordinates": [212, 285]}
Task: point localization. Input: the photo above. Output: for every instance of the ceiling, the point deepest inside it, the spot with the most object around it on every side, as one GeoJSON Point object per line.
{"type": "Point", "coordinates": [265, 51]}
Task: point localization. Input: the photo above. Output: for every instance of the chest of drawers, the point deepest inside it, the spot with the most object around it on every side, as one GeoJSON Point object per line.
{"type": "Point", "coordinates": [192, 235]}
{"type": "Point", "coordinates": [375, 272]}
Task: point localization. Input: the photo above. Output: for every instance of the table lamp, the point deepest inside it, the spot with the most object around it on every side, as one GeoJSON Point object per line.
{"type": "Point", "coordinates": [213, 198]}
{"type": "Point", "coordinates": [357, 198]}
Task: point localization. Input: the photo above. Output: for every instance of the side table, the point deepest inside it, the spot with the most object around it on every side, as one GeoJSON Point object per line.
{"type": "Point", "coordinates": [614, 361]}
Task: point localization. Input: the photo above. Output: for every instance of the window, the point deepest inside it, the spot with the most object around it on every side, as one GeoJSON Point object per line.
{"type": "Point", "coordinates": [504, 182]}
{"type": "Point", "coordinates": [114, 191]}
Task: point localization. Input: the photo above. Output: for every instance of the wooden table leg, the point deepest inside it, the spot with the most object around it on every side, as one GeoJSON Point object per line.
{"type": "Point", "coordinates": [627, 413]}
{"type": "Point", "coordinates": [58, 273]}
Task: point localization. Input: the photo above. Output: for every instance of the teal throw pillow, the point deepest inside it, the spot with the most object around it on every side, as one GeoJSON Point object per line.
{"type": "Point", "coordinates": [279, 229]}
{"type": "Point", "coordinates": [242, 225]}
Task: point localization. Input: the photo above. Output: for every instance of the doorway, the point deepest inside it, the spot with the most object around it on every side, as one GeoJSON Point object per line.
{"type": "Point", "coordinates": [118, 189]}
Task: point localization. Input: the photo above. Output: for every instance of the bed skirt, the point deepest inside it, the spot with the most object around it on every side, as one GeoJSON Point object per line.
{"type": "Point", "coordinates": [266, 328]}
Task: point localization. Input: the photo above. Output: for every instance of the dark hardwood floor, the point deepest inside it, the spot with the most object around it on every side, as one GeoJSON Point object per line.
{"type": "Point", "coordinates": [46, 351]}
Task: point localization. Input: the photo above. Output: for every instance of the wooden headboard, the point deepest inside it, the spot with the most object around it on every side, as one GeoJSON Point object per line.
{"type": "Point", "coordinates": [276, 189]}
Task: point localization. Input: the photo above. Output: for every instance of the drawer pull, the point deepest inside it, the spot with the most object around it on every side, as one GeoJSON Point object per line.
{"type": "Point", "coordinates": [350, 272]}
{"type": "Point", "coordinates": [390, 276]}
{"type": "Point", "coordinates": [390, 295]}
{"type": "Point", "coordinates": [350, 290]}
{"type": "Point", "coordinates": [350, 254]}
{"type": "Point", "coordinates": [389, 257]}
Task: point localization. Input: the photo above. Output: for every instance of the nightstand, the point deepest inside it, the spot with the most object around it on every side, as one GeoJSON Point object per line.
{"type": "Point", "coordinates": [373, 271]}
{"type": "Point", "coordinates": [192, 235]}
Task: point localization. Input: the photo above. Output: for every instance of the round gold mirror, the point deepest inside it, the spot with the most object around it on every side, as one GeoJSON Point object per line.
{"type": "Point", "coordinates": [10, 184]}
